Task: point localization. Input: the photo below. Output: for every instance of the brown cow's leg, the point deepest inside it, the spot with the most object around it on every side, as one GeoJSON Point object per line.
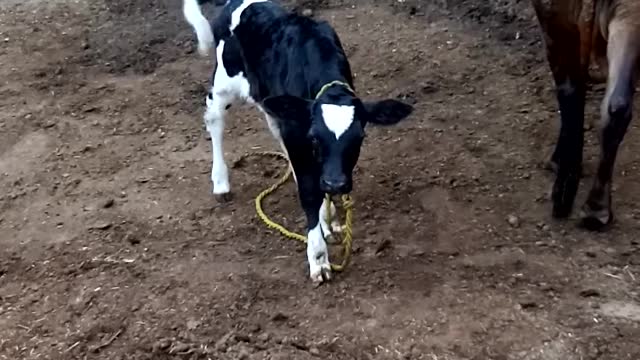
{"type": "Point", "coordinates": [563, 45]}
{"type": "Point", "coordinates": [623, 53]}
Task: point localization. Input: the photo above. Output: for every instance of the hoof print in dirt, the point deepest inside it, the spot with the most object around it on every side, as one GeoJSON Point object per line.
{"type": "Point", "coordinates": [588, 293]}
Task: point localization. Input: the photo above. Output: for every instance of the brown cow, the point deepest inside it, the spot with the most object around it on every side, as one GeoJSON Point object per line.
{"type": "Point", "coordinates": [576, 31]}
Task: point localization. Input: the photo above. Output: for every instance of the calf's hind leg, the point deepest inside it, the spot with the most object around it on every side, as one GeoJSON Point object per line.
{"type": "Point", "coordinates": [217, 104]}
{"type": "Point", "coordinates": [225, 91]}
{"type": "Point", "coordinates": [623, 54]}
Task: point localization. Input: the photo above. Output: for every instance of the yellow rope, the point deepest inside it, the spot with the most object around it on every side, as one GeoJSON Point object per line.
{"type": "Point", "coordinates": [347, 205]}
{"type": "Point", "coordinates": [328, 85]}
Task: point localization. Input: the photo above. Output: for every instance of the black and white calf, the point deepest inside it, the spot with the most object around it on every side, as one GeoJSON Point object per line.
{"type": "Point", "coordinates": [296, 72]}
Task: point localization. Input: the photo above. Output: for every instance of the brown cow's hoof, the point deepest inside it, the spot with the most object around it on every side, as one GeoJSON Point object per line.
{"type": "Point", "coordinates": [596, 220]}
{"type": "Point", "coordinates": [564, 192]}
{"type": "Point", "coordinates": [551, 166]}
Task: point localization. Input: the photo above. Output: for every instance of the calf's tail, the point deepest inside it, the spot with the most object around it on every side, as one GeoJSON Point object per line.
{"type": "Point", "coordinates": [202, 27]}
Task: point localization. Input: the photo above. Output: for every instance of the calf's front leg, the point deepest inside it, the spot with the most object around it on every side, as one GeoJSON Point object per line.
{"type": "Point", "coordinates": [311, 199]}
{"type": "Point", "coordinates": [328, 220]}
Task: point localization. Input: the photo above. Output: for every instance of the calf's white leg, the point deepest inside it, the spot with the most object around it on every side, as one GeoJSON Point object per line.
{"type": "Point", "coordinates": [333, 223]}
{"type": "Point", "coordinates": [318, 253]}
{"type": "Point", "coordinates": [225, 91]}
{"type": "Point", "coordinates": [214, 120]}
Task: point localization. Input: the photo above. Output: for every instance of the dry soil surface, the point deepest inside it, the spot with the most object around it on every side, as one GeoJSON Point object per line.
{"type": "Point", "coordinates": [112, 246]}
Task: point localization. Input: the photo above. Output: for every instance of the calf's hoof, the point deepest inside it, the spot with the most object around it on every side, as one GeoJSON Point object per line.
{"type": "Point", "coordinates": [564, 192]}
{"type": "Point", "coordinates": [224, 197]}
{"type": "Point", "coordinates": [334, 237]}
{"type": "Point", "coordinates": [332, 240]}
{"type": "Point", "coordinates": [318, 256]}
{"type": "Point", "coordinates": [319, 267]}
{"type": "Point", "coordinates": [320, 273]}
{"type": "Point", "coordinates": [595, 218]}
{"type": "Point", "coordinates": [337, 228]}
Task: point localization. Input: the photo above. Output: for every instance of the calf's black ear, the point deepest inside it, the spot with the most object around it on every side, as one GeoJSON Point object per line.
{"type": "Point", "coordinates": [387, 112]}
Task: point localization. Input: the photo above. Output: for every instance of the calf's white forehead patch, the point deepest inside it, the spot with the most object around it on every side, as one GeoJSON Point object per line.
{"type": "Point", "coordinates": [337, 118]}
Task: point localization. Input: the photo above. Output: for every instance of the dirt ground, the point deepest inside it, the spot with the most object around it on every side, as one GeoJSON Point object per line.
{"type": "Point", "coordinates": [112, 246]}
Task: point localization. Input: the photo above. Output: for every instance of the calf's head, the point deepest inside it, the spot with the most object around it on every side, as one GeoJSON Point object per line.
{"type": "Point", "coordinates": [330, 131]}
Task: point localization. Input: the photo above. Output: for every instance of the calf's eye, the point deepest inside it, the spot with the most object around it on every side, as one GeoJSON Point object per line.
{"type": "Point", "coordinates": [315, 147]}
